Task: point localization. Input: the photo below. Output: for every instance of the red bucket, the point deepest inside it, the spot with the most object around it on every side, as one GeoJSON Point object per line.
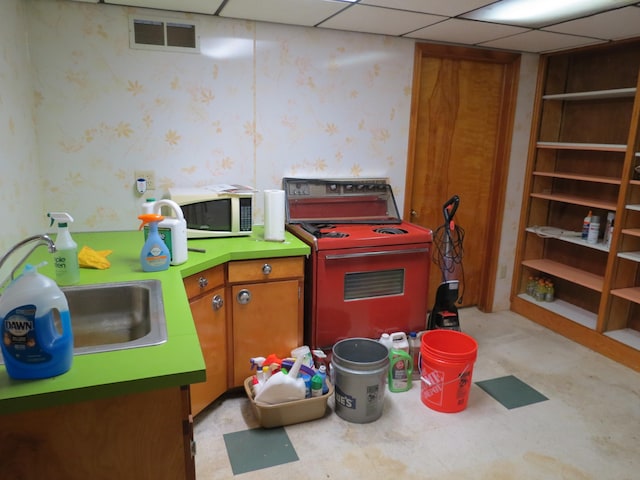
{"type": "Point", "coordinates": [446, 368]}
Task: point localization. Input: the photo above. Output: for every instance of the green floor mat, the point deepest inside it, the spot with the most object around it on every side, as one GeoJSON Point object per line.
{"type": "Point", "coordinates": [254, 449]}
{"type": "Point", "coordinates": [511, 391]}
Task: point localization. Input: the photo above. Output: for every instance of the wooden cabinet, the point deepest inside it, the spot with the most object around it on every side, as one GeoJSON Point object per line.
{"type": "Point", "coordinates": [244, 309]}
{"type": "Point", "coordinates": [266, 310]}
{"type": "Point", "coordinates": [143, 435]}
{"type": "Point", "coordinates": [584, 148]}
{"type": "Point", "coordinates": [206, 292]}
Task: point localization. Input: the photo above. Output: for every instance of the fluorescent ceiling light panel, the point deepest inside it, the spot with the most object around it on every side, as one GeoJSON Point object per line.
{"type": "Point", "coordinates": [539, 13]}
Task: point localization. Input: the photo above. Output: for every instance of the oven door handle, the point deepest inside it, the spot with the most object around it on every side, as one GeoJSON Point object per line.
{"type": "Point", "coordinates": [376, 254]}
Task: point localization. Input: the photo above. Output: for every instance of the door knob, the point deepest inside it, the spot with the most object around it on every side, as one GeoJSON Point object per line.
{"type": "Point", "coordinates": [244, 296]}
{"type": "Point", "coordinates": [414, 213]}
{"type": "Point", "coordinates": [217, 302]}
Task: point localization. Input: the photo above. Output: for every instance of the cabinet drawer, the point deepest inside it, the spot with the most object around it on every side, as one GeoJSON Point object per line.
{"type": "Point", "coordinates": [265, 269]}
{"type": "Point", "coordinates": [204, 281]}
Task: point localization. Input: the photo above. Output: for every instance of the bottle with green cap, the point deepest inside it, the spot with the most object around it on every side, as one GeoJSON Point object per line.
{"type": "Point", "coordinates": [316, 386]}
{"type": "Point", "coordinates": [66, 255]}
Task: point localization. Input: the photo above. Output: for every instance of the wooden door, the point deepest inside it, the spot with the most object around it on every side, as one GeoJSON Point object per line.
{"type": "Point", "coordinates": [461, 123]}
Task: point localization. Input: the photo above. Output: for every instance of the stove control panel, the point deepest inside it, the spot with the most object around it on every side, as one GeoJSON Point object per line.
{"type": "Point", "coordinates": [333, 187]}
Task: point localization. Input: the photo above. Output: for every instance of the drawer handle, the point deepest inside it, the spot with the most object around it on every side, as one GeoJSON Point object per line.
{"type": "Point", "coordinates": [217, 302]}
{"type": "Point", "coordinates": [203, 282]}
{"type": "Point", "coordinates": [244, 296]}
{"type": "Point", "coordinates": [266, 269]}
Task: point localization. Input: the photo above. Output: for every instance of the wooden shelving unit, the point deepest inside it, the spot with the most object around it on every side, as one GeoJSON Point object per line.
{"type": "Point", "coordinates": [583, 152]}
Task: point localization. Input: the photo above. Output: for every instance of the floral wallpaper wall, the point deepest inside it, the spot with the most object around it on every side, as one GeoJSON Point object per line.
{"type": "Point", "coordinates": [81, 111]}
{"type": "Point", "coordinates": [20, 190]}
{"type": "Point", "coordinates": [259, 102]}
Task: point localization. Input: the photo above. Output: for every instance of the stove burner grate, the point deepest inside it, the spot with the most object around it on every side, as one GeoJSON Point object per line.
{"type": "Point", "coordinates": [390, 231]}
{"type": "Point", "coordinates": [333, 234]}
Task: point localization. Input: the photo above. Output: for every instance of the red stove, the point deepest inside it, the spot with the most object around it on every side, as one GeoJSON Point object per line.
{"type": "Point", "coordinates": [368, 271]}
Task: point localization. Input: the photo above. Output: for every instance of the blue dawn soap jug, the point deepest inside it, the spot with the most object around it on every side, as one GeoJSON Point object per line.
{"type": "Point", "coordinates": [37, 341]}
{"type": "Point", "coordinates": [155, 255]}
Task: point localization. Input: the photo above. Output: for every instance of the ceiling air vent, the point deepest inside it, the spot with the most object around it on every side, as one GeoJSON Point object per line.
{"type": "Point", "coordinates": [169, 34]}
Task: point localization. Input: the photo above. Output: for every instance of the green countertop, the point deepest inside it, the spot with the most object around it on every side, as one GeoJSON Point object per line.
{"type": "Point", "coordinates": [176, 362]}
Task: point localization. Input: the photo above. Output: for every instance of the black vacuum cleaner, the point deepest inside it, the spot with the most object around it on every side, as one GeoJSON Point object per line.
{"type": "Point", "coordinates": [447, 253]}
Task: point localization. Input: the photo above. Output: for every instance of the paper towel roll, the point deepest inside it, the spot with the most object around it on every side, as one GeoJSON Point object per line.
{"type": "Point", "coordinates": [274, 215]}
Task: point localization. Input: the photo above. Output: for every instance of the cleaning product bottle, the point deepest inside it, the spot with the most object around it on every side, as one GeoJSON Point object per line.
{"type": "Point", "coordinates": [607, 228]}
{"type": "Point", "coordinates": [154, 256]}
{"type": "Point", "coordinates": [400, 363]}
{"type": "Point", "coordinates": [173, 231]}
{"type": "Point", "coordinates": [66, 254]}
{"type": "Point", "coordinates": [282, 387]}
{"type": "Point", "coordinates": [322, 373]}
{"type": "Point", "coordinates": [585, 226]}
{"type": "Point", "coordinates": [147, 206]}
{"type": "Point", "coordinates": [399, 341]}
{"type": "Point", "coordinates": [594, 229]}
{"type": "Point", "coordinates": [385, 339]}
{"type": "Point", "coordinates": [316, 386]}
{"type": "Point", "coordinates": [414, 351]}
{"type": "Point", "coordinates": [32, 346]}
{"type": "Point", "coordinates": [400, 370]}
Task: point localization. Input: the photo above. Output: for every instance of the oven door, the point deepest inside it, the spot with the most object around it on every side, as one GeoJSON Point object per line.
{"type": "Point", "coordinates": [364, 292]}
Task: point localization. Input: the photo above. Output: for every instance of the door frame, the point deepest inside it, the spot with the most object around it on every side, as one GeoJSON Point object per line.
{"type": "Point", "coordinates": [498, 186]}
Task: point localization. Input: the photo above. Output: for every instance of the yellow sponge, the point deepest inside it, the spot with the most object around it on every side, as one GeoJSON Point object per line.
{"type": "Point", "coordinates": [90, 258]}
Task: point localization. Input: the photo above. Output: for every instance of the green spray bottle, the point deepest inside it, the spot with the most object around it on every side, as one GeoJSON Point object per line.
{"type": "Point", "coordinates": [66, 254]}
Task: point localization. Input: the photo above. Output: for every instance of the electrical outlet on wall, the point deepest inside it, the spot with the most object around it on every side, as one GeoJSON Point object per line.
{"type": "Point", "coordinates": [149, 177]}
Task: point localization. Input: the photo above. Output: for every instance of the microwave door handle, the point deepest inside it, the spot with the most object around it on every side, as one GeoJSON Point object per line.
{"type": "Point", "coordinates": [342, 256]}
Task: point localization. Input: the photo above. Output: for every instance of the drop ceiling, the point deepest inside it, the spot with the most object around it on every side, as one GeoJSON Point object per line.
{"type": "Point", "coordinates": [445, 21]}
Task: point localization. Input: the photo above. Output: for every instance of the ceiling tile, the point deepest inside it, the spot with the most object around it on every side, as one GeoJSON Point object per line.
{"type": "Point", "coordinates": [537, 41]}
{"type": "Point", "coordinates": [436, 7]}
{"type": "Point", "coordinates": [293, 12]}
{"type": "Point", "coordinates": [465, 31]}
{"type": "Point", "coordinates": [622, 23]}
{"type": "Point", "coordinates": [363, 18]}
{"type": "Point", "coordinates": [194, 6]}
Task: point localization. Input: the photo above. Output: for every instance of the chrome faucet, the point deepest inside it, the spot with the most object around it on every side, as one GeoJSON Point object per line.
{"type": "Point", "coordinates": [41, 239]}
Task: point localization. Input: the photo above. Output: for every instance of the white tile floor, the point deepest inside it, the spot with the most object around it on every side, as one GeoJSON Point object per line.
{"type": "Point", "coordinates": [588, 429]}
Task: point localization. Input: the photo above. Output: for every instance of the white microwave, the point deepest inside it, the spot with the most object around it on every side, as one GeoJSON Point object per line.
{"type": "Point", "coordinates": [210, 213]}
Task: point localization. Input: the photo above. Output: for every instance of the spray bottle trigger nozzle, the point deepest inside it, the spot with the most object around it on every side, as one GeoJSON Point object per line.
{"type": "Point", "coordinates": [60, 217]}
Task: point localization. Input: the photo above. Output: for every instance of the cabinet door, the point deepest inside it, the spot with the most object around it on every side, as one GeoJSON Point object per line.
{"type": "Point", "coordinates": [209, 317]}
{"type": "Point", "coordinates": [266, 319]}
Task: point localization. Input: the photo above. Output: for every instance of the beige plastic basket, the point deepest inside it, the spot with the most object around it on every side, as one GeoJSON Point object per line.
{"type": "Point", "coordinates": [288, 413]}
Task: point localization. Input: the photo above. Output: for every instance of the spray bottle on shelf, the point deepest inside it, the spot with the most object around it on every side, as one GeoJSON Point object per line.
{"type": "Point", "coordinates": [33, 346]}
{"type": "Point", "coordinates": [608, 229]}
{"type": "Point", "coordinates": [594, 229]}
{"type": "Point", "coordinates": [66, 254]}
{"type": "Point", "coordinates": [585, 226]}
{"type": "Point", "coordinates": [154, 256]}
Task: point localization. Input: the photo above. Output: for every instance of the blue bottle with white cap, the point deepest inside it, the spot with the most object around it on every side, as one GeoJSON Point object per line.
{"type": "Point", "coordinates": [32, 345]}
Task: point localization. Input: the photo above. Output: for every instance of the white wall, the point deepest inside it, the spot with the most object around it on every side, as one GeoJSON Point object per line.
{"type": "Point", "coordinates": [261, 101]}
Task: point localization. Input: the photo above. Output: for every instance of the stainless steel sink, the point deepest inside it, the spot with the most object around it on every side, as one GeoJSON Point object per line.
{"type": "Point", "coordinates": [116, 316]}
